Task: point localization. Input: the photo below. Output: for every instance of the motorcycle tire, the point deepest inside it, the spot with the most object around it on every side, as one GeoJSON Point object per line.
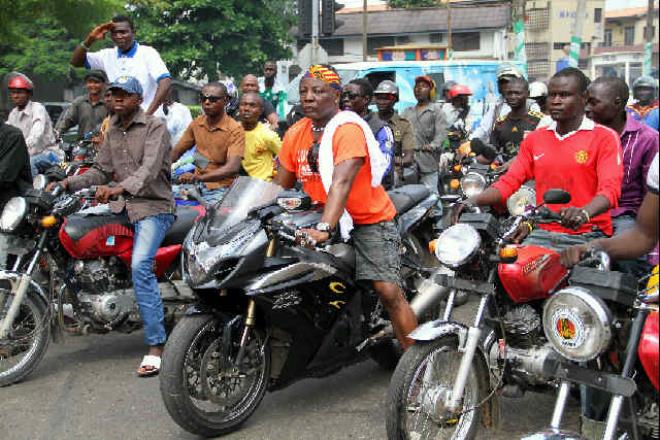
{"type": "Point", "coordinates": [182, 383]}
{"type": "Point", "coordinates": [32, 313]}
{"type": "Point", "coordinates": [411, 369]}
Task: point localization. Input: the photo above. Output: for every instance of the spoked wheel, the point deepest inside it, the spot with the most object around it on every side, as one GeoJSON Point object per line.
{"type": "Point", "coordinates": [24, 346]}
{"type": "Point", "coordinates": [204, 390]}
{"type": "Point", "coordinates": [420, 384]}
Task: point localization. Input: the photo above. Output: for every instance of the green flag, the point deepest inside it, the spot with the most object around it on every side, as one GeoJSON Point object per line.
{"type": "Point", "coordinates": [574, 54]}
{"type": "Point", "coordinates": [519, 50]}
{"type": "Point", "coordinates": [648, 58]}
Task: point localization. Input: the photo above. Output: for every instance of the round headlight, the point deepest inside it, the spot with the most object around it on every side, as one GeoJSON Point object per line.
{"type": "Point", "coordinates": [577, 324]}
{"type": "Point", "coordinates": [39, 182]}
{"type": "Point", "coordinates": [457, 245]}
{"type": "Point", "coordinates": [14, 211]}
{"type": "Point", "coordinates": [473, 184]}
{"type": "Point", "coordinates": [520, 200]}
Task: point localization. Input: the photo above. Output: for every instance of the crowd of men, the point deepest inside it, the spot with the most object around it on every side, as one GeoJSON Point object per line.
{"type": "Point", "coordinates": [571, 133]}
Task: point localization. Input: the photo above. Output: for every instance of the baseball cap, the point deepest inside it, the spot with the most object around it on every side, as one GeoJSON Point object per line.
{"type": "Point", "coordinates": [538, 89]}
{"type": "Point", "coordinates": [128, 84]}
{"type": "Point", "coordinates": [508, 69]}
{"type": "Point", "coordinates": [96, 74]}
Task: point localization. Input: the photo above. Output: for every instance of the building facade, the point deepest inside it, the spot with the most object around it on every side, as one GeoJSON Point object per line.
{"type": "Point", "coordinates": [621, 52]}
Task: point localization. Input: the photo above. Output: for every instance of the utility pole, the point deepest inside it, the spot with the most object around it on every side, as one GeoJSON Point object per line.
{"type": "Point", "coordinates": [315, 31]}
{"type": "Point", "coordinates": [364, 31]}
{"type": "Point", "coordinates": [648, 46]}
{"type": "Point", "coordinates": [449, 39]}
{"type": "Point", "coordinates": [576, 39]}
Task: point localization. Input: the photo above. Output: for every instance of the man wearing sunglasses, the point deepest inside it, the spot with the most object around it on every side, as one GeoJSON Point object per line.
{"type": "Point", "coordinates": [219, 141]}
{"type": "Point", "coordinates": [340, 165]}
{"type": "Point", "coordinates": [356, 96]}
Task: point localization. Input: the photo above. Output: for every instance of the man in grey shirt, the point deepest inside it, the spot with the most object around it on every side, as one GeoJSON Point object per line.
{"type": "Point", "coordinates": [87, 112]}
{"type": "Point", "coordinates": [430, 127]}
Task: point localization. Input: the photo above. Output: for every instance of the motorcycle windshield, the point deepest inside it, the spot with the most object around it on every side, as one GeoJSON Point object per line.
{"type": "Point", "coordinates": [245, 194]}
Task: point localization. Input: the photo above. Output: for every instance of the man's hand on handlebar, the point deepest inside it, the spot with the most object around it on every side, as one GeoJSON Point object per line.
{"type": "Point", "coordinates": [52, 185]}
{"type": "Point", "coordinates": [459, 207]}
{"type": "Point", "coordinates": [573, 255]}
{"type": "Point", "coordinates": [310, 238]}
{"type": "Point", "coordinates": [104, 193]}
{"type": "Point", "coordinates": [188, 178]}
{"type": "Point", "coordinates": [573, 217]}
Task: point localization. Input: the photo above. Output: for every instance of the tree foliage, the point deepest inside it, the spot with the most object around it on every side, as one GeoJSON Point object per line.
{"type": "Point", "coordinates": [38, 36]}
{"type": "Point", "coordinates": [200, 38]}
{"type": "Point", "coordinates": [412, 3]}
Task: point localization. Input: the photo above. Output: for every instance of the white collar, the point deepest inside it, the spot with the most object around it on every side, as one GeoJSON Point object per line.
{"type": "Point", "coordinates": [586, 124]}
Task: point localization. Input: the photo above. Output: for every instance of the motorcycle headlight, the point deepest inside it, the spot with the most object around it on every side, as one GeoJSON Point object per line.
{"type": "Point", "coordinates": [40, 182]}
{"type": "Point", "coordinates": [14, 211]}
{"type": "Point", "coordinates": [520, 200]}
{"type": "Point", "coordinates": [473, 184]}
{"type": "Point", "coordinates": [457, 245]}
{"type": "Point", "coordinates": [577, 324]}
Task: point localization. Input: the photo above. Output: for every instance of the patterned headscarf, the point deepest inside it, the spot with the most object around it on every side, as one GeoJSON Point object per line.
{"type": "Point", "coordinates": [325, 73]}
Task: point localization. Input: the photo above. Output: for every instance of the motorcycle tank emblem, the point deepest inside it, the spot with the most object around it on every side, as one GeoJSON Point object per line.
{"type": "Point", "coordinates": [536, 265]}
{"type": "Point", "coordinates": [110, 241]}
{"type": "Point", "coordinates": [568, 328]}
{"type": "Point", "coordinates": [337, 287]}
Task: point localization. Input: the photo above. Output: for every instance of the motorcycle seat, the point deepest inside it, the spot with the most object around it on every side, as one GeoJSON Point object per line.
{"type": "Point", "coordinates": [185, 217]}
{"type": "Point", "coordinates": [77, 226]}
{"type": "Point", "coordinates": [407, 196]}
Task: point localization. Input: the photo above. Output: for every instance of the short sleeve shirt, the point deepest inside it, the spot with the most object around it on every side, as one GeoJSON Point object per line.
{"type": "Point", "coordinates": [509, 133]}
{"type": "Point", "coordinates": [142, 62]}
{"type": "Point", "coordinates": [652, 177]}
{"type": "Point", "coordinates": [261, 146]}
{"type": "Point", "coordinates": [365, 204]}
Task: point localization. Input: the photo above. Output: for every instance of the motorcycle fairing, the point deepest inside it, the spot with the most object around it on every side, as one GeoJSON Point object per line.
{"type": "Point", "coordinates": [163, 259]}
{"type": "Point", "coordinates": [648, 350]}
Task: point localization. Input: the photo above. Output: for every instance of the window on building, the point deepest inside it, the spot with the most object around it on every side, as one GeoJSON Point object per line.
{"type": "Point", "coordinates": [333, 46]}
{"type": "Point", "coordinates": [607, 38]}
{"type": "Point", "coordinates": [598, 15]}
{"type": "Point", "coordinates": [374, 43]}
{"type": "Point", "coordinates": [401, 40]}
{"type": "Point", "coordinates": [629, 35]}
{"type": "Point", "coordinates": [560, 45]}
{"type": "Point", "coordinates": [466, 41]}
{"type": "Point", "coordinates": [436, 38]}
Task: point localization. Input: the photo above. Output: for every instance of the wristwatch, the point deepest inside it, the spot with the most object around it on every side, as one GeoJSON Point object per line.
{"type": "Point", "coordinates": [325, 227]}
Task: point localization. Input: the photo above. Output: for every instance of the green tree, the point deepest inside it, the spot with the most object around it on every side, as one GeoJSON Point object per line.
{"type": "Point", "coordinates": [198, 38]}
{"type": "Point", "coordinates": [412, 3]}
{"type": "Point", "coordinates": [39, 36]}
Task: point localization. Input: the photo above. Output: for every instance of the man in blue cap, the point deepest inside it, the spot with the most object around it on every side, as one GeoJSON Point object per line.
{"type": "Point", "coordinates": [135, 154]}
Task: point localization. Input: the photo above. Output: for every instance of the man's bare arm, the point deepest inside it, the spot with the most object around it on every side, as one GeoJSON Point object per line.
{"type": "Point", "coordinates": [285, 178]}
{"type": "Point", "coordinates": [161, 95]}
{"type": "Point", "coordinates": [342, 181]}
{"type": "Point", "coordinates": [229, 169]}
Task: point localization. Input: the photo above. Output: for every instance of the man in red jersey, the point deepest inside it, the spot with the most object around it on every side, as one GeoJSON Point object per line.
{"type": "Point", "coordinates": [573, 153]}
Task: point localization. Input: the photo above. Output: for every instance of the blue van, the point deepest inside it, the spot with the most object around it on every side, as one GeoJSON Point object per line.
{"type": "Point", "coordinates": [479, 75]}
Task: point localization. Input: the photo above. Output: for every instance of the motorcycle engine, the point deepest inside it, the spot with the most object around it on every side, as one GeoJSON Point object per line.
{"type": "Point", "coordinates": [105, 294]}
{"type": "Point", "coordinates": [523, 328]}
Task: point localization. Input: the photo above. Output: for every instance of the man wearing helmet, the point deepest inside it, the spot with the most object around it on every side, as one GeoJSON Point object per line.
{"type": "Point", "coordinates": [387, 94]}
{"type": "Point", "coordinates": [645, 108]}
{"type": "Point", "coordinates": [35, 124]}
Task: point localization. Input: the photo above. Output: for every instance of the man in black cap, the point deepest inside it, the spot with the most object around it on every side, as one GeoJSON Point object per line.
{"type": "Point", "coordinates": [87, 112]}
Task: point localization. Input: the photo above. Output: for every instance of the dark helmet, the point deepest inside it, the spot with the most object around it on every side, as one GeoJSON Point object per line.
{"type": "Point", "coordinates": [644, 81]}
{"type": "Point", "coordinates": [387, 87]}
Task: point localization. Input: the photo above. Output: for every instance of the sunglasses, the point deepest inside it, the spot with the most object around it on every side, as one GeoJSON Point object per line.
{"type": "Point", "coordinates": [313, 157]}
{"type": "Point", "coordinates": [212, 99]}
{"type": "Point", "coordinates": [349, 95]}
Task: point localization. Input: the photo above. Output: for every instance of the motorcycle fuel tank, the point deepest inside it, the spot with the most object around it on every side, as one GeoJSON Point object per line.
{"type": "Point", "coordinates": [534, 275]}
{"type": "Point", "coordinates": [648, 349]}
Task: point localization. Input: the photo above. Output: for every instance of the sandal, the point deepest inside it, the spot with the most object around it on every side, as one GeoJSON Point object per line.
{"type": "Point", "coordinates": [150, 366]}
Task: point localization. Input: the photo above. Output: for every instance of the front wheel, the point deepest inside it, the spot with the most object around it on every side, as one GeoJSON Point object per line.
{"type": "Point", "coordinates": [24, 346]}
{"type": "Point", "coordinates": [204, 390]}
{"type": "Point", "coordinates": [421, 383]}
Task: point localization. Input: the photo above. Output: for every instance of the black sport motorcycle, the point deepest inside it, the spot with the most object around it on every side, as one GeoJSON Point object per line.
{"type": "Point", "coordinates": [271, 312]}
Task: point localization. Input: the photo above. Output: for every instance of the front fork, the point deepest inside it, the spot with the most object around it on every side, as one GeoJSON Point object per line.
{"type": "Point", "coordinates": [21, 290]}
{"type": "Point", "coordinates": [251, 314]}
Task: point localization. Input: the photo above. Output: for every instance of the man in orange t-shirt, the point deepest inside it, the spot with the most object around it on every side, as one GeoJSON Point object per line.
{"type": "Point", "coordinates": [375, 236]}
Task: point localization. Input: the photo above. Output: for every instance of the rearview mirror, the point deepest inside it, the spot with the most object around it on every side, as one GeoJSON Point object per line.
{"type": "Point", "coordinates": [556, 197]}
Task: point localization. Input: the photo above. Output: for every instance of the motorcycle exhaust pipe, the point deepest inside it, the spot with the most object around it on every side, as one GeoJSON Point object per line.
{"type": "Point", "coordinates": [430, 293]}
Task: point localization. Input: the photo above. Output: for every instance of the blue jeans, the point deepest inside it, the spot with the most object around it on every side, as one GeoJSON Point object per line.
{"type": "Point", "coordinates": [210, 196]}
{"type": "Point", "coordinates": [42, 161]}
{"type": "Point", "coordinates": [638, 267]}
{"type": "Point", "coordinates": [149, 234]}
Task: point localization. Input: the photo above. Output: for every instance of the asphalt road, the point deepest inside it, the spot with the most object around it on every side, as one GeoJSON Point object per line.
{"type": "Point", "coordinates": [86, 388]}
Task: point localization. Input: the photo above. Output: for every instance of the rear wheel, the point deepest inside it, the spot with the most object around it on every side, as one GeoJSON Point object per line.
{"type": "Point", "coordinates": [24, 346]}
{"type": "Point", "coordinates": [422, 380]}
{"type": "Point", "coordinates": [204, 390]}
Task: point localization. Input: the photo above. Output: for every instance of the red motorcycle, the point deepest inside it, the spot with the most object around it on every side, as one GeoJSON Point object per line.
{"type": "Point", "coordinates": [78, 264]}
{"type": "Point", "coordinates": [607, 336]}
{"type": "Point", "coordinates": [448, 383]}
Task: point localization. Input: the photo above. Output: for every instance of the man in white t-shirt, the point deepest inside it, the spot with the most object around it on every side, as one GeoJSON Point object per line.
{"type": "Point", "coordinates": [177, 116]}
{"type": "Point", "coordinates": [128, 58]}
